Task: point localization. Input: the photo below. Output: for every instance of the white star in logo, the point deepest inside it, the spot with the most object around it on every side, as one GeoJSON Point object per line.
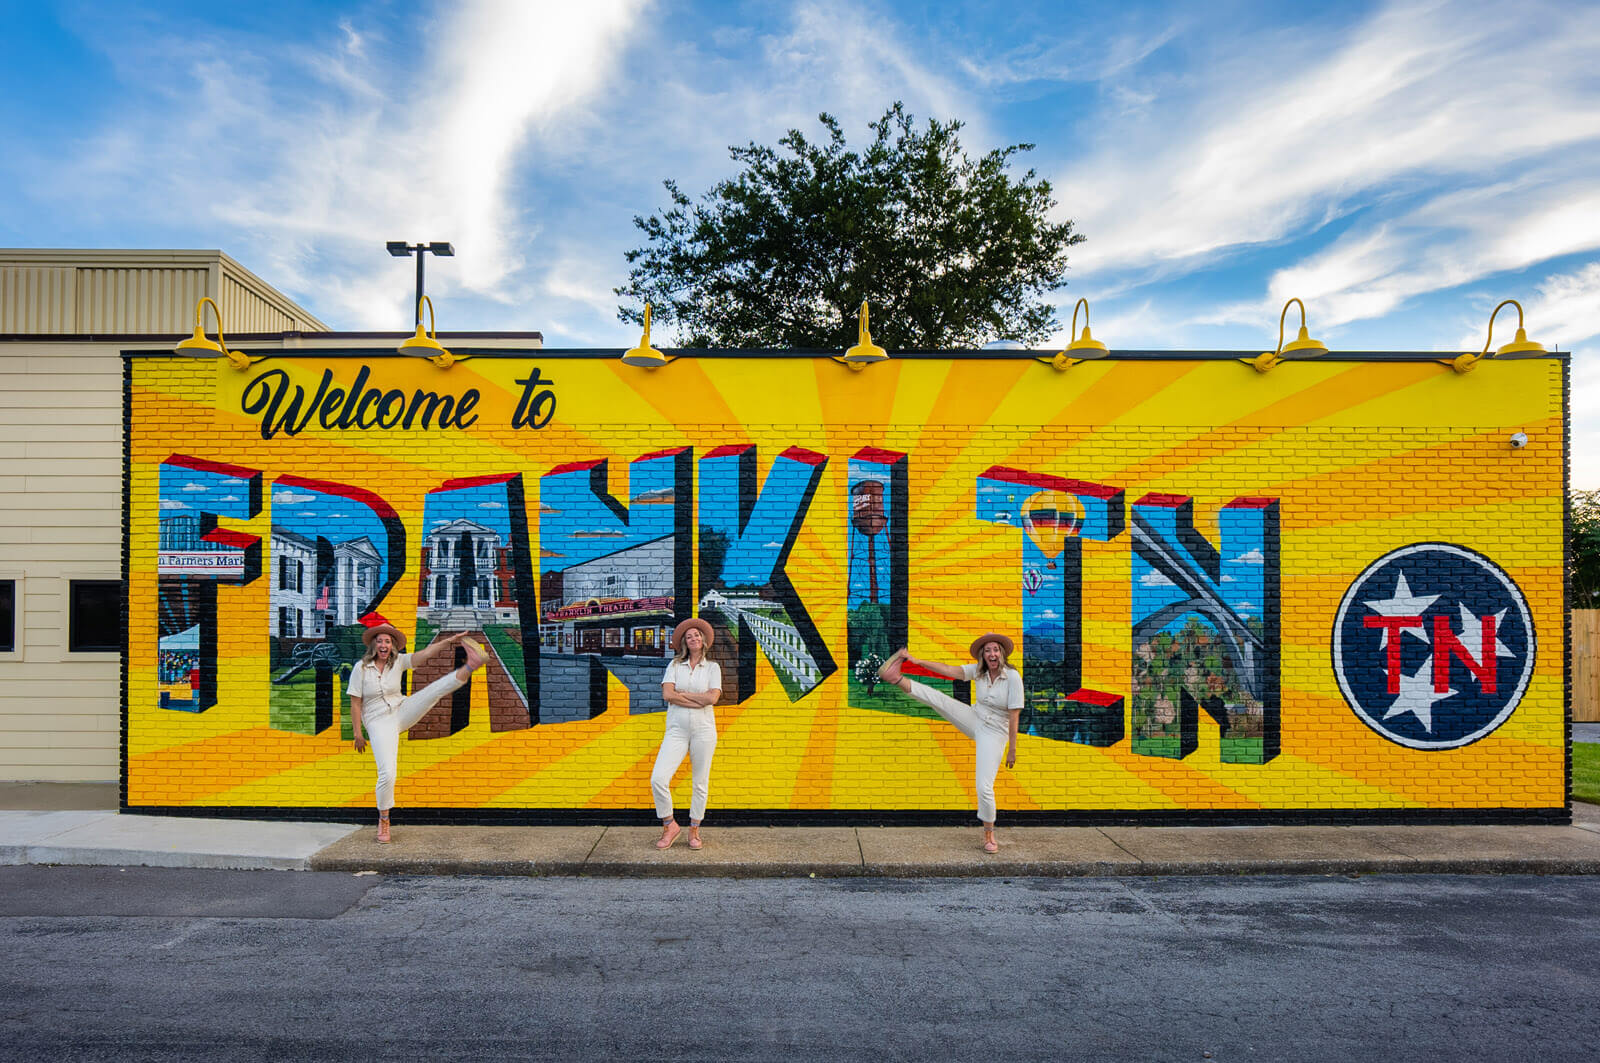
{"type": "Point", "coordinates": [1417, 695]}
{"type": "Point", "coordinates": [1472, 627]}
{"type": "Point", "coordinates": [1402, 604]}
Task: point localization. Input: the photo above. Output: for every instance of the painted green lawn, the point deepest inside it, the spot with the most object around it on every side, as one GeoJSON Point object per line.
{"type": "Point", "coordinates": [1586, 771]}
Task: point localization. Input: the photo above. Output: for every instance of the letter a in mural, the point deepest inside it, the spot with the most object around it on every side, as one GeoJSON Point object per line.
{"type": "Point", "coordinates": [337, 550]}
{"type": "Point", "coordinates": [745, 539]}
{"type": "Point", "coordinates": [1055, 515]}
{"type": "Point", "coordinates": [611, 581]}
{"type": "Point", "coordinates": [1205, 628]}
{"type": "Point", "coordinates": [475, 574]}
{"type": "Point", "coordinates": [194, 557]}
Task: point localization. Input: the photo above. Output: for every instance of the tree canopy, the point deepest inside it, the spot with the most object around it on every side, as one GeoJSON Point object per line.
{"type": "Point", "coordinates": [949, 251]}
{"type": "Point", "coordinates": [1583, 523]}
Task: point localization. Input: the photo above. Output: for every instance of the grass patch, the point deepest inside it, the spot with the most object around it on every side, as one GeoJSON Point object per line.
{"type": "Point", "coordinates": [1586, 772]}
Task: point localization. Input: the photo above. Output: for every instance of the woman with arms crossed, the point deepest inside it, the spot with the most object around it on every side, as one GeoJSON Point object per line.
{"type": "Point", "coordinates": [691, 687]}
{"type": "Point", "coordinates": [377, 703]}
{"type": "Point", "coordinates": [990, 721]}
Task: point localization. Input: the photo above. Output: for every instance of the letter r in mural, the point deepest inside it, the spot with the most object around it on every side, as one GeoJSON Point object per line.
{"type": "Point", "coordinates": [337, 551]}
{"type": "Point", "coordinates": [1205, 628]}
{"type": "Point", "coordinates": [194, 557]}
{"type": "Point", "coordinates": [1055, 515]}
{"type": "Point", "coordinates": [475, 574]}
{"type": "Point", "coordinates": [745, 539]}
{"type": "Point", "coordinates": [611, 581]}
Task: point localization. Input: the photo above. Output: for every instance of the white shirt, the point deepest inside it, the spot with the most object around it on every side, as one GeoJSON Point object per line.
{"type": "Point", "coordinates": [378, 690]}
{"type": "Point", "coordinates": [707, 675]}
{"type": "Point", "coordinates": [995, 700]}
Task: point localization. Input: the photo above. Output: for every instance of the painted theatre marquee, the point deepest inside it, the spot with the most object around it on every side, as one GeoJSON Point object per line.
{"type": "Point", "coordinates": [1329, 589]}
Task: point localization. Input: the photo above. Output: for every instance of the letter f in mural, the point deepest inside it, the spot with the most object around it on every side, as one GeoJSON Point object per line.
{"type": "Point", "coordinates": [745, 539]}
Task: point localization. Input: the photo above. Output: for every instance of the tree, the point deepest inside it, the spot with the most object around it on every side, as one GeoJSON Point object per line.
{"type": "Point", "coordinates": [950, 251]}
{"type": "Point", "coordinates": [1583, 523]}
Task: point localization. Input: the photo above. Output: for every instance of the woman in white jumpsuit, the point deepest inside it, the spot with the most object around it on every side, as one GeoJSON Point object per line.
{"type": "Point", "coordinates": [990, 721]}
{"type": "Point", "coordinates": [378, 705]}
{"type": "Point", "coordinates": [691, 686]}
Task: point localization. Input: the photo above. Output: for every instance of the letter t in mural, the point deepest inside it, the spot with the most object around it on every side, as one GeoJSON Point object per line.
{"type": "Point", "coordinates": [745, 539]}
{"type": "Point", "coordinates": [1205, 628]}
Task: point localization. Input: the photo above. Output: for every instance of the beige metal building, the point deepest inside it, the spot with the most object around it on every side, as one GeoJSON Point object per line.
{"type": "Point", "coordinates": [66, 317]}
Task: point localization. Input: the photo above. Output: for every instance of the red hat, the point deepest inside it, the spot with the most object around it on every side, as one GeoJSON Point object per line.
{"type": "Point", "coordinates": [377, 625]}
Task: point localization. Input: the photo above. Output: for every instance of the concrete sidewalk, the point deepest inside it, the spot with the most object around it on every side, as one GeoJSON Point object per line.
{"type": "Point", "coordinates": [55, 823]}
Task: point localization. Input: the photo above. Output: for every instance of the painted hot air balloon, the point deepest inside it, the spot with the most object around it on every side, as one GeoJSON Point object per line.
{"type": "Point", "coordinates": [1032, 580]}
{"type": "Point", "coordinates": [1050, 518]}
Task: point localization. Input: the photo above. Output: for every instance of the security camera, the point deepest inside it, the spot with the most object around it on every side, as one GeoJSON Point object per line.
{"type": "Point", "coordinates": [1519, 440]}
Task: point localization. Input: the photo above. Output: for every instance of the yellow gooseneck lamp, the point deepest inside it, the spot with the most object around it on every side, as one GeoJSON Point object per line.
{"type": "Point", "coordinates": [1081, 349]}
{"type": "Point", "coordinates": [427, 345]}
{"type": "Point", "coordinates": [645, 356]}
{"type": "Point", "coordinates": [1302, 346]}
{"type": "Point", "coordinates": [865, 352]}
{"type": "Point", "coordinates": [200, 346]}
{"type": "Point", "coordinates": [1521, 347]}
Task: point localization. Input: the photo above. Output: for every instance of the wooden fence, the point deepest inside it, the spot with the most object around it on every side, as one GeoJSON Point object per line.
{"type": "Point", "coordinates": [1586, 665]}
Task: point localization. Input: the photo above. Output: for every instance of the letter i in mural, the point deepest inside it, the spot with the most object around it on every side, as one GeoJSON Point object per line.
{"type": "Point", "coordinates": [1205, 628]}
{"type": "Point", "coordinates": [611, 581]}
{"type": "Point", "coordinates": [337, 550]}
{"type": "Point", "coordinates": [193, 557]}
{"type": "Point", "coordinates": [1055, 515]}
{"type": "Point", "coordinates": [745, 539]}
{"type": "Point", "coordinates": [475, 574]}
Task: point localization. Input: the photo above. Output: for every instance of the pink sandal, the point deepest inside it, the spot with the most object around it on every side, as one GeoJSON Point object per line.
{"type": "Point", "coordinates": [669, 834]}
{"type": "Point", "coordinates": [694, 838]}
{"type": "Point", "coordinates": [383, 829]}
{"type": "Point", "coordinates": [989, 844]}
{"type": "Point", "coordinates": [889, 671]}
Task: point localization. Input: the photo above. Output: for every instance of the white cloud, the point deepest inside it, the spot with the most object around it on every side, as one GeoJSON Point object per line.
{"type": "Point", "coordinates": [194, 487]}
{"type": "Point", "coordinates": [1155, 579]}
{"type": "Point", "coordinates": [1249, 557]}
{"type": "Point", "coordinates": [491, 505]}
{"type": "Point", "coordinates": [173, 503]}
{"type": "Point", "coordinates": [292, 498]}
{"type": "Point", "coordinates": [1438, 174]}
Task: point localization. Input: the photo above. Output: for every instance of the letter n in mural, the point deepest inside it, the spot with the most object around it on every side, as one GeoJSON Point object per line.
{"type": "Point", "coordinates": [1055, 515]}
{"type": "Point", "coordinates": [1205, 628]}
{"type": "Point", "coordinates": [337, 550]}
{"type": "Point", "coordinates": [194, 557]}
{"type": "Point", "coordinates": [475, 574]}
{"type": "Point", "coordinates": [745, 539]}
{"type": "Point", "coordinates": [611, 581]}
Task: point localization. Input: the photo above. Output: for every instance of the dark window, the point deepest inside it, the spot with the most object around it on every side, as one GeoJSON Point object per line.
{"type": "Point", "coordinates": [94, 621]}
{"type": "Point", "coordinates": [8, 615]}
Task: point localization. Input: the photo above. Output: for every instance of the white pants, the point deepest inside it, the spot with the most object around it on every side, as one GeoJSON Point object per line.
{"type": "Point", "coordinates": [692, 731]}
{"type": "Point", "coordinates": [383, 729]}
{"type": "Point", "coordinates": [989, 738]}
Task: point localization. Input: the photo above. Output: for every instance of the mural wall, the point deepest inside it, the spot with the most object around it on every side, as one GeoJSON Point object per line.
{"type": "Point", "coordinates": [1335, 587]}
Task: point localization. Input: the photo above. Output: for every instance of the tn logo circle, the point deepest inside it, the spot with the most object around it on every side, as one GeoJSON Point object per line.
{"type": "Point", "coordinates": [1433, 646]}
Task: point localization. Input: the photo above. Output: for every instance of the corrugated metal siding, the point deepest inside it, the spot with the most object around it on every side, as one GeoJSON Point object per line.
{"type": "Point", "coordinates": [138, 300]}
{"type": "Point", "coordinates": [245, 311]}
{"type": "Point", "coordinates": [37, 299]}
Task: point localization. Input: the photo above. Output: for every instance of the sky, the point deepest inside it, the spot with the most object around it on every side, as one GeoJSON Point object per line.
{"type": "Point", "coordinates": [1401, 167]}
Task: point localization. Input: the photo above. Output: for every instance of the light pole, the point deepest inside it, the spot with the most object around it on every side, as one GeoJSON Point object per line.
{"type": "Point", "coordinates": [400, 249]}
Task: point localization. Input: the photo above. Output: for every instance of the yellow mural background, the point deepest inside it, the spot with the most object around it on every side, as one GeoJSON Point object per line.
{"type": "Point", "coordinates": [1363, 456]}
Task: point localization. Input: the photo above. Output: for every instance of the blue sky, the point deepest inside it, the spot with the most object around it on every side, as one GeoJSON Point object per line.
{"type": "Point", "coordinates": [1400, 166]}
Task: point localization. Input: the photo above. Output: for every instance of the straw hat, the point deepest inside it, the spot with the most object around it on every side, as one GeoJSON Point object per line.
{"type": "Point", "coordinates": [383, 627]}
{"type": "Point", "coordinates": [989, 636]}
{"type": "Point", "coordinates": [706, 634]}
